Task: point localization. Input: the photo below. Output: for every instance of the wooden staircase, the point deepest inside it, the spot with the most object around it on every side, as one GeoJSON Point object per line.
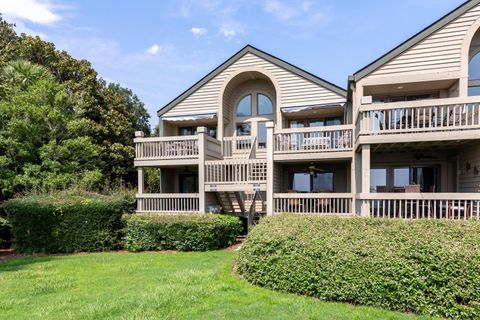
{"type": "Point", "coordinates": [242, 204]}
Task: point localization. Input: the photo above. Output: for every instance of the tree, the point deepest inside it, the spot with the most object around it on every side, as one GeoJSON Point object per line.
{"type": "Point", "coordinates": [106, 113]}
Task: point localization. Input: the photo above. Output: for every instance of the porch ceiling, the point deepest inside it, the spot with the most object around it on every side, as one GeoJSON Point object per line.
{"type": "Point", "coordinates": [437, 146]}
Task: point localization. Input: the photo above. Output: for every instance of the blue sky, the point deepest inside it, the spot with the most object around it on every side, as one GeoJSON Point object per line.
{"type": "Point", "coordinates": [160, 48]}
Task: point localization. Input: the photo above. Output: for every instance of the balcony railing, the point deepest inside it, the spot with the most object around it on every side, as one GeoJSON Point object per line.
{"type": "Point", "coordinates": [453, 206]}
{"type": "Point", "coordinates": [168, 202]}
{"type": "Point", "coordinates": [420, 116]}
{"type": "Point", "coordinates": [158, 148]}
{"type": "Point", "coordinates": [236, 171]}
{"type": "Point", "coordinates": [240, 146]}
{"type": "Point", "coordinates": [317, 139]}
{"type": "Point", "coordinates": [314, 203]}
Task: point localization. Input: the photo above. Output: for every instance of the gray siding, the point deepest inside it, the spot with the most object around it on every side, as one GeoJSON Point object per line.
{"type": "Point", "coordinates": [468, 181]}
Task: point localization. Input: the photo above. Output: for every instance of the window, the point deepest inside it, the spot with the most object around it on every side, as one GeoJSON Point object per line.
{"type": "Point", "coordinates": [190, 131]}
{"type": "Point", "coordinates": [401, 177]}
{"type": "Point", "coordinates": [188, 183]}
{"type": "Point", "coordinates": [474, 76]}
{"type": "Point", "coordinates": [297, 124]}
{"type": "Point", "coordinates": [186, 131]}
{"type": "Point", "coordinates": [301, 182]}
{"type": "Point", "coordinates": [394, 179]}
{"type": "Point", "coordinates": [244, 129]}
{"type": "Point", "coordinates": [426, 178]}
{"type": "Point", "coordinates": [244, 107]}
{"type": "Point", "coordinates": [317, 182]}
{"type": "Point", "coordinates": [265, 105]}
{"type": "Point", "coordinates": [322, 182]}
{"type": "Point", "coordinates": [378, 180]}
{"type": "Point", "coordinates": [262, 134]}
{"type": "Point", "coordinates": [315, 122]}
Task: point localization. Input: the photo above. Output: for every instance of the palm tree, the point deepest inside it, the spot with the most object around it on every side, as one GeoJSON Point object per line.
{"type": "Point", "coordinates": [23, 73]}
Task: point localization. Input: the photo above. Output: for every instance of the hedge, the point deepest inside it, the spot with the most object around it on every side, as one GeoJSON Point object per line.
{"type": "Point", "coordinates": [183, 232]}
{"type": "Point", "coordinates": [426, 267]}
{"type": "Point", "coordinates": [66, 222]}
{"type": "Point", "coordinates": [5, 233]}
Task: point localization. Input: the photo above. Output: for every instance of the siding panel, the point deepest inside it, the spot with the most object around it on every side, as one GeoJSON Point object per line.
{"type": "Point", "coordinates": [468, 181]}
{"type": "Point", "coordinates": [294, 90]}
{"type": "Point", "coordinates": [440, 51]}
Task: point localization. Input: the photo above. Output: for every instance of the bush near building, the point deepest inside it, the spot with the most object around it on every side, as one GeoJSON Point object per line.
{"type": "Point", "coordinates": [183, 232]}
{"type": "Point", "coordinates": [426, 267]}
{"type": "Point", "coordinates": [66, 222]}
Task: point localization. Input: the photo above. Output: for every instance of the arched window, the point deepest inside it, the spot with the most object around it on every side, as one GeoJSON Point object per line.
{"type": "Point", "coordinates": [244, 107]}
{"type": "Point", "coordinates": [474, 76]}
{"type": "Point", "coordinates": [265, 105]}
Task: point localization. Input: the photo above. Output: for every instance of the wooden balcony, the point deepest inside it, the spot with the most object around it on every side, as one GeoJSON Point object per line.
{"type": "Point", "coordinates": [167, 202]}
{"type": "Point", "coordinates": [176, 150]}
{"type": "Point", "coordinates": [314, 203]}
{"type": "Point", "coordinates": [427, 120]}
{"type": "Point", "coordinates": [236, 175]}
{"type": "Point", "coordinates": [313, 143]}
{"type": "Point", "coordinates": [452, 206]}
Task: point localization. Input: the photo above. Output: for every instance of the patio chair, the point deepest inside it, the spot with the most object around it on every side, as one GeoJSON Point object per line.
{"type": "Point", "coordinates": [412, 188]}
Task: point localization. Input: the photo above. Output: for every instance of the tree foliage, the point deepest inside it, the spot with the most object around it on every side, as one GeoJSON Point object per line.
{"type": "Point", "coordinates": [60, 124]}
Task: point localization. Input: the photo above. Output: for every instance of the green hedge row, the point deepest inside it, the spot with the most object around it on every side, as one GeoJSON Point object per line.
{"type": "Point", "coordinates": [5, 233]}
{"type": "Point", "coordinates": [180, 232]}
{"type": "Point", "coordinates": [426, 267]}
{"type": "Point", "coordinates": [65, 222]}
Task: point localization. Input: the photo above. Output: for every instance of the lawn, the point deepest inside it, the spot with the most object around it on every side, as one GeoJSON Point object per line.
{"type": "Point", "coordinates": [152, 286]}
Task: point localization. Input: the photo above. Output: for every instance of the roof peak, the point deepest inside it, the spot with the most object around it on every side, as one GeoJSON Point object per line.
{"type": "Point", "coordinates": [262, 54]}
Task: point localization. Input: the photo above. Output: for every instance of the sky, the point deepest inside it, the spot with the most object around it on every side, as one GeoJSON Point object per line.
{"type": "Point", "coordinates": [160, 48]}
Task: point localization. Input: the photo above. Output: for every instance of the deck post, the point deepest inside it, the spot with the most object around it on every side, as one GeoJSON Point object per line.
{"type": "Point", "coordinates": [140, 187]}
{"type": "Point", "coordinates": [365, 206]}
{"type": "Point", "coordinates": [270, 149]}
{"type": "Point", "coordinates": [141, 180]}
{"type": "Point", "coordinates": [202, 132]}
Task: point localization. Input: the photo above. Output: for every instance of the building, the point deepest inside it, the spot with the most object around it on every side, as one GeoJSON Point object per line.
{"type": "Point", "coordinates": [258, 135]}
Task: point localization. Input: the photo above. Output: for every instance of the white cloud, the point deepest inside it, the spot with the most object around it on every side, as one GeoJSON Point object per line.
{"type": "Point", "coordinates": [153, 50]}
{"type": "Point", "coordinates": [228, 33]}
{"type": "Point", "coordinates": [198, 32]}
{"type": "Point", "coordinates": [280, 10]}
{"type": "Point", "coordinates": [35, 11]}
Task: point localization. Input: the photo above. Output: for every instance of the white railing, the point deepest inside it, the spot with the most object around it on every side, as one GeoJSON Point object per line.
{"type": "Point", "coordinates": [238, 146]}
{"type": "Point", "coordinates": [213, 147]}
{"type": "Point", "coordinates": [420, 116]}
{"type": "Point", "coordinates": [314, 203]}
{"type": "Point", "coordinates": [178, 147]}
{"type": "Point", "coordinates": [238, 171]}
{"type": "Point", "coordinates": [454, 206]}
{"type": "Point", "coordinates": [167, 202]}
{"type": "Point", "coordinates": [317, 139]}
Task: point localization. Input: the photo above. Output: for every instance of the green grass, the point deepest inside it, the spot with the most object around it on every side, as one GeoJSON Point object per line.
{"type": "Point", "coordinates": [152, 286]}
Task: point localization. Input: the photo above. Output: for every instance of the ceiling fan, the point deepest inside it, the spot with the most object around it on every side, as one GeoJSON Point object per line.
{"type": "Point", "coordinates": [313, 170]}
{"type": "Point", "coordinates": [422, 156]}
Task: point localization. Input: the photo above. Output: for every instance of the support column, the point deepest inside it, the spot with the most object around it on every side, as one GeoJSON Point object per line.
{"type": "Point", "coordinates": [270, 127]}
{"type": "Point", "coordinates": [202, 132]}
{"type": "Point", "coordinates": [141, 180]}
{"type": "Point", "coordinates": [365, 208]}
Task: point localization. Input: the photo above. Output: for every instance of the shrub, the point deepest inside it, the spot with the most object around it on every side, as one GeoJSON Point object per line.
{"type": "Point", "coordinates": [67, 222]}
{"type": "Point", "coordinates": [5, 233]}
{"type": "Point", "coordinates": [428, 267]}
{"type": "Point", "coordinates": [180, 232]}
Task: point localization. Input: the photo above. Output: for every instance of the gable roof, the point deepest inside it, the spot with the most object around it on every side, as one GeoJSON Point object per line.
{"type": "Point", "coordinates": [266, 56]}
{"type": "Point", "coordinates": [415, 39]}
